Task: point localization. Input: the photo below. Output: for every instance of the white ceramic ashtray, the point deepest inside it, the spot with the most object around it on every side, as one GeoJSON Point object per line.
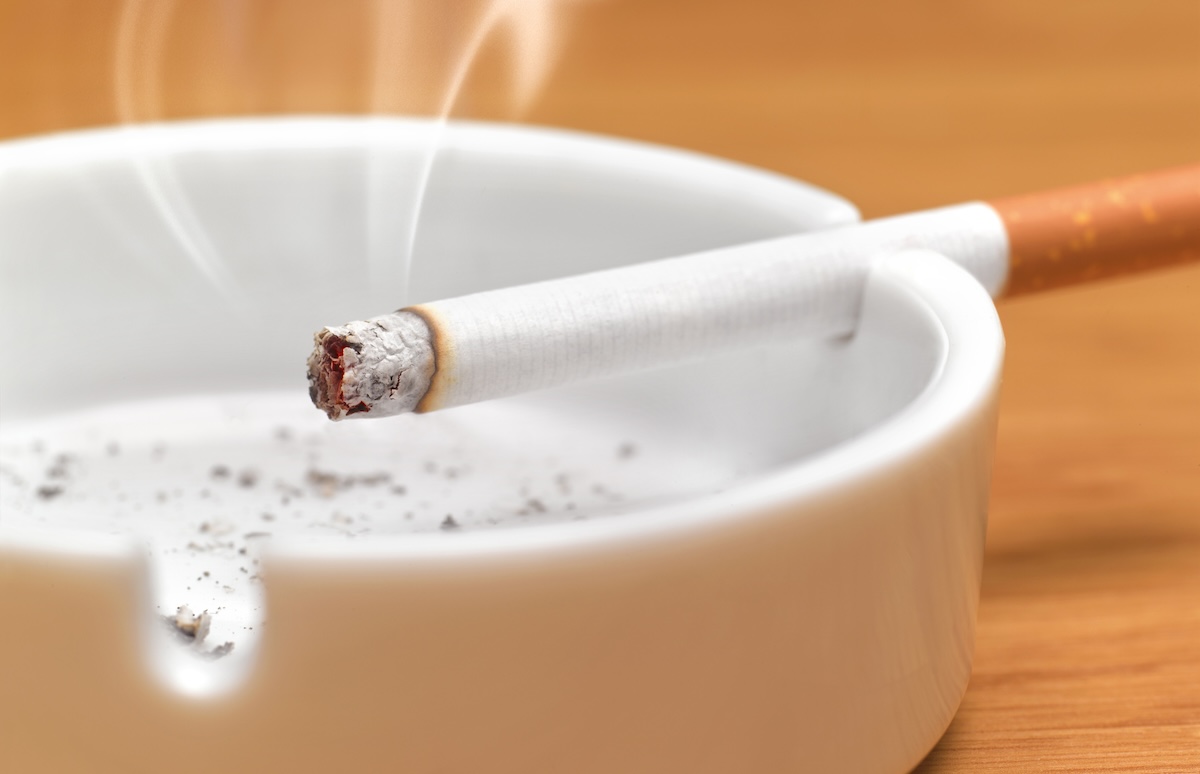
{"type": "Point", "coordinates": [766, 561]}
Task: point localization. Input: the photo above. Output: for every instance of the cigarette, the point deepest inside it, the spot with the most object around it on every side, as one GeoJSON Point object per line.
{"type": "Point", "coordinates": [529, 337]}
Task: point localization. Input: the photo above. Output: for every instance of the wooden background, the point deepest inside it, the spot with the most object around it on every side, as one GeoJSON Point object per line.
{"type": "Point", "coordinates": [1088, 648]}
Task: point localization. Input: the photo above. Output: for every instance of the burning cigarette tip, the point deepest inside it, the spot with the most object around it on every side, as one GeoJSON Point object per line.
{"type": "Point", "coordinates": [326, 368]}
{"type": "Point", "coordinates": [377, 367]}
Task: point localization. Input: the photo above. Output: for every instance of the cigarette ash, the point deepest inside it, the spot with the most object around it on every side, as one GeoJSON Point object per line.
{"type": "Point", "coordinates": [207, 483]}
{"type": "Point", "coordinates": [381, 366]}
{"type": "Point", "coordinates": [192, 630]}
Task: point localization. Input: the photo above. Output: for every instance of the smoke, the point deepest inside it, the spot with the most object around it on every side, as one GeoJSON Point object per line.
{"type": "Point", "coordinates": [141, 37]}
{"type": "Point", "coordinates": [420, 43]}
{"type": "Point", "coordinates": [141, 33]}
{"type": "Point", "coordinates": [457, 33]}
{"type": "Point", "coordinates": [536, 29]}
{"type": "Point", "coordinates": [418, 57]}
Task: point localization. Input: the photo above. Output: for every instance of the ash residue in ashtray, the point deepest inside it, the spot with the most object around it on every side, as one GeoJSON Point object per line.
{"type": "Point", "coordinates": [57, 475]}
{"type": "Point", "coordinates": [297, 486]}
{"type": "Point", "coordinates": [49, 491]}
{"type": "Point", "coordinates": [206, 507]}
{"type": "Point", "coordinates": [327, 483]}
{"type": "Point", "coordinates": [192, 630]}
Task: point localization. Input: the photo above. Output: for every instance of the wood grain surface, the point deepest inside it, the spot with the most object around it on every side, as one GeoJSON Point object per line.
{"type": "Point", "coordinates": [1088, 646]}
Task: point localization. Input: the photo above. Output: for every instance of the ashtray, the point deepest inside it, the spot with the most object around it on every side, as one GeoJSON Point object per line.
{"type": "Point", "coordinates": [766, 561]}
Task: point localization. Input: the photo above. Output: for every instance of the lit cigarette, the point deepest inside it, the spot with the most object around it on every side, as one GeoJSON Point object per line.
{"type": "Point", "coordinates": [514, 340]}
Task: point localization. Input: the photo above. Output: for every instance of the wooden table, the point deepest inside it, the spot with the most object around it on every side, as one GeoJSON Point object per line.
{"type": "Point", "coordinates": [1088, 647]}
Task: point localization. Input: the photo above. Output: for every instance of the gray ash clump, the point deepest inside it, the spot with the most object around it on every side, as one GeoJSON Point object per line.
{"type": "Point", "coordinates": [49, 491]}
{"type": "Point", "coordinates": [192, 630]}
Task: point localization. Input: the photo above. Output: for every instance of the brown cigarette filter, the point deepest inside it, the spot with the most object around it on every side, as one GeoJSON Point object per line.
{"type": "Point", "coordinates": [1101, 229]}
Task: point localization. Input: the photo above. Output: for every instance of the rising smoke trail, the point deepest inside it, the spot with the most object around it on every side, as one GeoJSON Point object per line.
{"type": "Point", "coordinates": [534, 27]}
{"type": "Point", "coordinates": [141, 36]}
{"type": "Point", "coordinates": [535, 41]}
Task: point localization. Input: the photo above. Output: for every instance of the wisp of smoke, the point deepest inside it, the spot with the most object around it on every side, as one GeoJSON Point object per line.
{"type": "Point", "coordinates": [141, 35]}
{"type": "Point", "coordinates": [534, 29]}
{"type": "Point", "coordinates": [404, 63]}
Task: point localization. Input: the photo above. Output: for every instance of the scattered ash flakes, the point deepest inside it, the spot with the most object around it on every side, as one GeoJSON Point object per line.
{"type": "Point", "coordinates": [13, 477]}
{"type": "Point", "coordinates": [287, 493]}
{"type": "Point", "coordinates": [189, 626]}
{"type": "Point", "coordinates": [217, 527]}
{"type": "Point", "coordinates": [327, 484]}
{"type": "Point", "coordinates": [378, 478]}
{"type": "Point", "coordinates": [329, 526]}
{"type": "Point", "coordinates": [192, 630]}
{"type": "Point", "coordinates": [49, 491]}
{"type": "Point", "coordinates": [212, 546]}
{"type": "Point", "coordinates": [61, 466]}
{"type": "Point", "coordinates": [346, 497]}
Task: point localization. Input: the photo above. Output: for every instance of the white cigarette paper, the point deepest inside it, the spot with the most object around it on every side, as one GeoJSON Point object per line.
{"type": "Point", "coordinates": [514, 340]}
